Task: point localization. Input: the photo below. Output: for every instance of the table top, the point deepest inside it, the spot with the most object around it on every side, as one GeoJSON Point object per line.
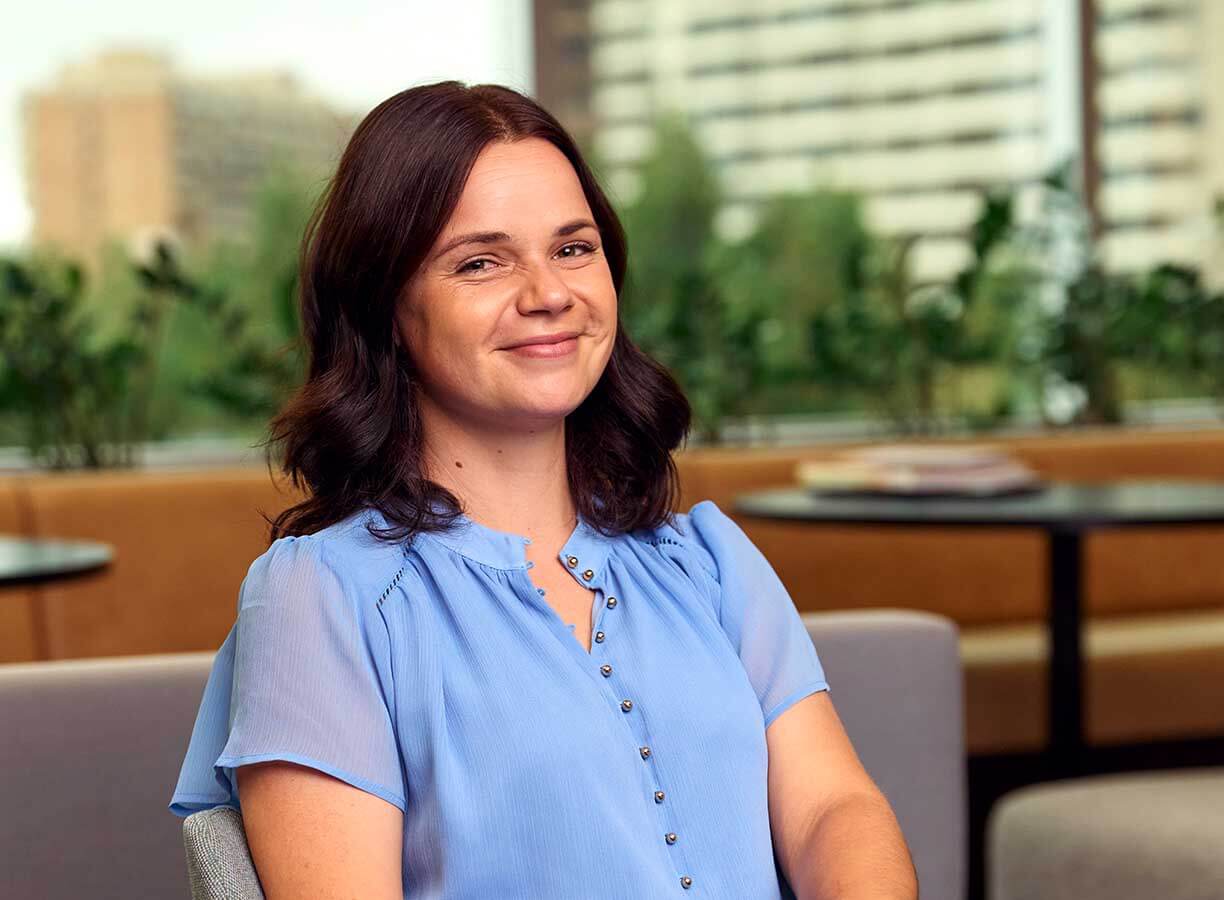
{"type": "Point", "coordinates": [23, 560]}
{"type": "Point", "coordinates": [1065, 505]}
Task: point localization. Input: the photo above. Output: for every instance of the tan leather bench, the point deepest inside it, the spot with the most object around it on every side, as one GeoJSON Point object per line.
{"type": "Point", "coordinates": [18, 605]}
{"type": "Point", "coordinates": [1155, 663]}
{"type": "Point", "coordinates": [183, 542]}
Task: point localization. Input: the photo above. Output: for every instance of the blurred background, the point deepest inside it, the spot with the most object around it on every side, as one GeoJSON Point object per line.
{"type": "Point", "coordinates": [922, 217]}
{"type": "Point", "coordinates": [851, 222]}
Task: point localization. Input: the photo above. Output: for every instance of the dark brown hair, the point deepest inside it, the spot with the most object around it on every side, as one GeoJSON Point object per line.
{"type": "Point", "coordinates": [351, 435]}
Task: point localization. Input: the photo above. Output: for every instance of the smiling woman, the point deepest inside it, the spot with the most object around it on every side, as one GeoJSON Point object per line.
{"type": "Point", "coordinates": [485, 311]}
{"type": "Point", "coordinates": [462, 221]}
{"type": "Point", "coordinates": [485, 658]}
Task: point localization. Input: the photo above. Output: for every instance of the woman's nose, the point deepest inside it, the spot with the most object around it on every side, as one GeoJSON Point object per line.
{"type": "Point", "coordinates": [546, 289]}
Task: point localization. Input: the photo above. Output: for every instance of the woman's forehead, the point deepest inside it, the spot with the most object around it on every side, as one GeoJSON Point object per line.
{"type": "Point", "coordinates": [518, 170]}
{"type": "Point", "coordinates": [519, 192]}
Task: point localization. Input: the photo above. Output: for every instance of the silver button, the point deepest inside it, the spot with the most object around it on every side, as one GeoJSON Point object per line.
{"type": "Point", "coordinates": [599, 636]}
{"type": "Point", "coordinates": [645, 751]}
{"type": "Point", "coordinates": [588, 575]}
{"type": "Point", "coordinates": [686, 882]}
{"type": "Point", "coordinates": [658, 796]}
{"type": "Point", "coordinates": [611, 602]}
{"type": "Point", "coordinates": [626, 705]}
{"type": "Point", "coordinates": [572, 561]}
{"type": "Point", "coordinates": [606, 670]}
{"type": "Point", "coordinates": [670, 837]}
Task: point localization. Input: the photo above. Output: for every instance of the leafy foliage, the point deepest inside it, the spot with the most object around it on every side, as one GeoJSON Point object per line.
{"type": "Point", "coordinates": [81, 401]}
{"type": "Point", "coordinates": [672, 304]}
{"type": "Point", "coordinates": [1097, 322]}
{"type": "Point", "coordinates": [88, 383]}
{"type": "Point", "coordinates": [811, 309]}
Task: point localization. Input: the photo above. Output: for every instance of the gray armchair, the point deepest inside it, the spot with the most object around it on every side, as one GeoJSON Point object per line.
{"type": "Point", "coordinates": [219, 864]}
{"type": "Point", "coordinates": [895, 678]}
{"type": "Point", "coordinates": [91, 750]}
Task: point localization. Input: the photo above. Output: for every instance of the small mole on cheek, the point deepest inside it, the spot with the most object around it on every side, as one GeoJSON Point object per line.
{"type": "Point", "coordinates": [459, 464]}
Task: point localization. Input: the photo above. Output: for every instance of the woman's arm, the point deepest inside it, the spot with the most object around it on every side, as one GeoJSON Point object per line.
{"type": "Point", "coordinates": [834, 833]}
{"type": "Point", "coordinates": [314, 837]}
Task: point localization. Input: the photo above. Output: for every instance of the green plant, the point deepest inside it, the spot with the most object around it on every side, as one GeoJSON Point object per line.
{"type": "Point", "coordinates": [876, 332]}
{"type": "Point", "coordinates": [809, 298]}
{"type": "Point", "coordinates": [259, 276]}
{"type": "Point", "coordinates": [78, 400]}
{"type": "Point", "coordinates": [672, 304]}
{"type": "Point", "coordinates": [87, 396]}
{"type": "Point", "coordinates": [1095, 321]}
{"type": "Point", "coordinates": [802, 260]}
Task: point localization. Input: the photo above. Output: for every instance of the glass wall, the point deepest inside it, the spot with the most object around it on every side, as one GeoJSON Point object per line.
{"type": "Point", "coordinates": [911, 216]}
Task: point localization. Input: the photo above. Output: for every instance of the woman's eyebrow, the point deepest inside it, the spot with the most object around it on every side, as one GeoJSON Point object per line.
{"type": "Point", "coordinates": [493, 237]}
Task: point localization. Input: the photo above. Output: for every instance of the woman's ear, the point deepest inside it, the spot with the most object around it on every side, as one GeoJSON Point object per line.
{"type": "Point", "coordinates": [402, 356]}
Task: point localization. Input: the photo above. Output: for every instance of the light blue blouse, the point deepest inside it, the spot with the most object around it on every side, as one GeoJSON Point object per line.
{"type": "Point", "coordinates": [433, 673]}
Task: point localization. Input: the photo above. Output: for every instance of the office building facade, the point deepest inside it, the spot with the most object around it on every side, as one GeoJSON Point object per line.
{"type": "Point", "coordinates": [124, 144]}
{"type": "Point", "coordinates": [919, 105]}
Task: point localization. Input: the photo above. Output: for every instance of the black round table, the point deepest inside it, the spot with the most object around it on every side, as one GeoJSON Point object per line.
{"type": "Point", "coordinates": [1064, 511]}
{"type": "Point", "coordinates": [31, 561]}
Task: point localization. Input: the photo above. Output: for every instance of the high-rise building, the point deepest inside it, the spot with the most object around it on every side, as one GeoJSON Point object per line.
{"type": "Point", "coordinates": [919, 104]}
{"type": "Point", "coordinates": [124, 144]}
{"type": "Point", "coordinates": [561, 37]}
{"type": "Point", "coordinates": [1160, 130]}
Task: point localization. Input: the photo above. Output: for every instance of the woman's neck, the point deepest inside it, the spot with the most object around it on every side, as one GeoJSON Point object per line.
{"type": "Point", "coordinates": [513, 481]}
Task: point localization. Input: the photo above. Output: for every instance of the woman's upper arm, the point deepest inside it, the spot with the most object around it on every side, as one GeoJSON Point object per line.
{"type": "Point", "coordinates": [314, 836]}
{"type": "Point", "coordinates": [758, 615]}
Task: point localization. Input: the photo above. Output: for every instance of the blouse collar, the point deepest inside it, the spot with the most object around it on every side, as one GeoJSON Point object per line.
{"type": "Point", "coordinates": [585, 550]}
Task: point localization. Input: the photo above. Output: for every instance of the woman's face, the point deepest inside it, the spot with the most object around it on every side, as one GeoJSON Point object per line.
{"type": "Point", "coordinates": [520, 259]}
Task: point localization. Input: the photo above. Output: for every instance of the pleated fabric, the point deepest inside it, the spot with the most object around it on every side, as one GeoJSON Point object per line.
{"type": "Point", "coordinates": [435, 675]}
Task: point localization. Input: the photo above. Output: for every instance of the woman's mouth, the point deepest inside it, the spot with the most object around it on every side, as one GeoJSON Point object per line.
{"type": "Point", "coordinates": [547, 351]}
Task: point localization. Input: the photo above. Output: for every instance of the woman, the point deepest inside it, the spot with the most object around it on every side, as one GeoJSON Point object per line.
{"type": "Point", "coordinates": [482, 661]}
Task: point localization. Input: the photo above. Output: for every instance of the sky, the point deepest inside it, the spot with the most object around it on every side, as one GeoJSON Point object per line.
{"type": "Point", "coordinates": [355, 53]}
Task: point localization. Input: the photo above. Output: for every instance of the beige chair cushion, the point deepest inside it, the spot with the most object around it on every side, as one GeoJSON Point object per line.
{"type": "Point", "coordinates": [1146, 678]}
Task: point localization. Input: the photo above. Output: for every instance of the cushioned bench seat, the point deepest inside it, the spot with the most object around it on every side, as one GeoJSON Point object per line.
{"type": "Point", "coordinates": [1115, 837]}
{"type": "Point", "coordinates": [1147, 678]}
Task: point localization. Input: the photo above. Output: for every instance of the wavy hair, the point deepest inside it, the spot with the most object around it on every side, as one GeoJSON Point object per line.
{"type": "Point", "coordinates": [351, 435]}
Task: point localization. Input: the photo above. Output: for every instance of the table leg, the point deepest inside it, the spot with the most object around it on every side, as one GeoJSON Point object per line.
{"type": "Point", "coordinates": [1065, 678]}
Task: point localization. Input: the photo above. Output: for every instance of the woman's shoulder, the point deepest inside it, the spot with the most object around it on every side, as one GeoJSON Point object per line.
{"type": "Point", "coordinates": [700, 533]}
{"type": "Point", "coordinates": [343, 556]}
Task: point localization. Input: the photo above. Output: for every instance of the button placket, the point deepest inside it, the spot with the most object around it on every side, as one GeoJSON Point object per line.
{"type": "Point", "coordinates": [658, 795]}
{"type": "Point", "coordinates": [670, 838]}
{"type": "Point", "coordinates": [587, 574]}
{"type": "Point", "coordinates": [627, 707]}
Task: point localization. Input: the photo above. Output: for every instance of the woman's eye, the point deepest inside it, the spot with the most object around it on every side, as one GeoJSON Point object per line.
{"type": "Point", "coordinates": [582, 245]}
{"type": "Point", "coordinates": [470, 265]}
{"type": "Point", "coordinates": [467, 266]}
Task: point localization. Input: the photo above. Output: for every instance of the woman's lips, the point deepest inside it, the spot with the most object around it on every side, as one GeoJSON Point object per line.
{"type": "Point", "coordinates": [547, 351]}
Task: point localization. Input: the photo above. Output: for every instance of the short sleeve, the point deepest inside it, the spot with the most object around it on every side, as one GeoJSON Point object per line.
{"type": "Point", "coordinates": [758, 615]}
{"type": "Point", "coordinates": [304, 676]}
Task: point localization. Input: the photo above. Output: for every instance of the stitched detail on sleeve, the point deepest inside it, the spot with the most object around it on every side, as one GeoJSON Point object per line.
{"type": "Point", "coordinates": [687, 548]}
{"type": "Point", "coordinates": [394, 581]}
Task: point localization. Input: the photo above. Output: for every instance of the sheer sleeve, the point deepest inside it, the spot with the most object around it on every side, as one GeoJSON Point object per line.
{"type": "Point", "coordinates": [758, 615]}
{"type": "Point", "coordinates": [304, 676]}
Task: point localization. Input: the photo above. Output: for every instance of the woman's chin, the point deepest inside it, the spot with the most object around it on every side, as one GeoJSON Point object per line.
{"type": "Point", "coordinates": [542, 415]}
